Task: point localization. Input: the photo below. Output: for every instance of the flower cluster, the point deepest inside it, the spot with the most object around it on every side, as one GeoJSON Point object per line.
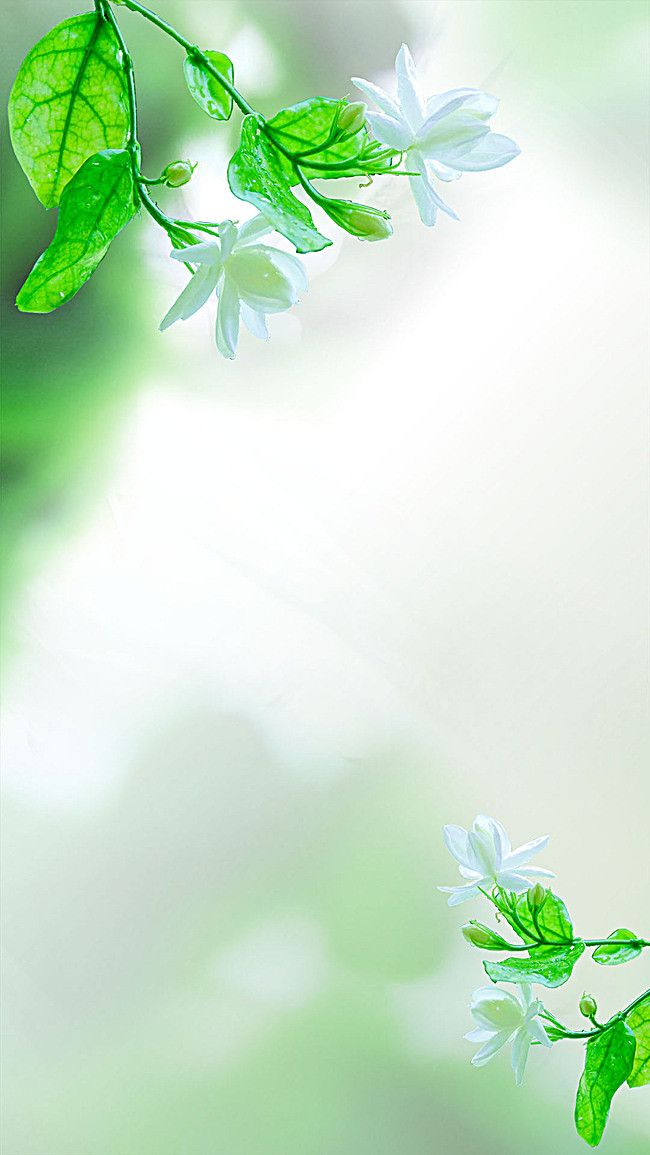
{"type": "Point", "coordinates": [89, 123]}
{"type": "Point", "coordinates": [618, 1050]}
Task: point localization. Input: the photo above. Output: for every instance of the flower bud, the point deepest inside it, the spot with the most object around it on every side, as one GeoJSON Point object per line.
{"type": "Point", "coordinates": [351, 118]}
{"type": "Point", "coordinates": [537, 896]}
{"type": "Point", "coordinates": [178, 173]}
{"type": "Point", "coordinates": [481, 936]}
{"type": "Point", "coordinates": [361, 220]}
{"type": "Point", "coordinates": [588, 1006]}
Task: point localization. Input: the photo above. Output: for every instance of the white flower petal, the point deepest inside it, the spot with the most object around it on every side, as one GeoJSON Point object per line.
{"type": "Point", "coordinates": [473, 99]}
{"type": "Point", "coordinates": [377, 94]}
{"type": "Point", "coordinates": [484, 852]}
{"type": "Point", "coordinates": [523, 853]}
{"type": "Point", "coordinates": [390, 131]}
{"type": "Point", "coordinates": [411, 101]}
{"type": "Point", "coordinates": [426, 197]}
{"type": "Point", "coordinates": [490, 1048]}
{"type": "Point", "coordinates": [268, 280]}
{"type": "Point", "coordinates": [538, 872]}
{"type": "Point", "coordinates": [537, 1031]}
{"type": "Point", "coordinates": [479, 1035]}
{"type": "Point", "coordinates": [456, 842]}
{"type": "Point", "coordinates": [520, 1048]}
{"type": "Point", "coordinates": [458, 894]}
{"type": "Point", "coordinates": [492, 151]}
{"type": "Point", "coordinates": [510, 880]}
{"type": "Point", "coordinates": [204, 253]}
{"type": "Point", "coordinates": [196, 292]}
{"type": "Point", "coordinates": [254, 322]}
{"type": "Point", "coordinates": [253, 230]}
{"type": "Point", "coordinates": [496, 833]}
{"type": "Point", "coordinates": [451, 137]}
{"type": "Point", "coordinates": [227, 332]}
{"type": "Point", "coordinates": [496, 1009]}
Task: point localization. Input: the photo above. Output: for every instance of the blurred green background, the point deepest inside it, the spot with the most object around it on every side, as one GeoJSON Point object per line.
{"type": "Point", "coordinates": [268, 625]}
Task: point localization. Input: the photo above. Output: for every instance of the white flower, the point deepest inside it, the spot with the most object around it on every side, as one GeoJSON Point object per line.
{"type": "Point", "coordinates": [504, 1017]}
{"type": "Point", "coordinates": [442, 137]}
{"type": "Point", "coordinates": [249, 279]}
{"type": "Point", "coordinates": [487, 859]}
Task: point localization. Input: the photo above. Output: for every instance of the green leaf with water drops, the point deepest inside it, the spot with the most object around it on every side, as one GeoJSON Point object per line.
{"type": "Point", "coordinates": [68, 102]}
{"type": "Point", "coordinates": [95, 205]}
{"type": "Point", "coordinates": [208, 93]}
{"type": "Point", "coordinates": [257, 174]}
{"type": "Point", "coordinates": [618, 952]}
{"type": "Point", "coordinates": [549, 968]}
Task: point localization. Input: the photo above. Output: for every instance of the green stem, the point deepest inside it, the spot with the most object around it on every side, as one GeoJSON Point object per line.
{"type": "Point", "coordinates": [192, 51]}
{"type": "Point", "coordinates": [605, 1026]}
{"type": "Point", "coordinates": [167, 223]}
{"type": "Point", "coordinates": [588, 942]}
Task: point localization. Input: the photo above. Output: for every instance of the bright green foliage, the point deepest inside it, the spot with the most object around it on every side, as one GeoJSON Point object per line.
{"type": "Point", "coordinates": [68, 102]}
{"type": "Point", "coordinates": [310, 127]}
{"type": "Point", "coordinates": [611, 956]}
{"type": "Point", "coordinates": [550, 921]}
{"type": "Point", "coordinates": [96, 204]}
{"type": "Point", "coordinates": [608, 1063]}
{"type": "Point", "coordinates": [480, 935]}
{"type": "Point", "coordinates": [211, 96]}
{"type": "Point", "coordinates": [256, 174]}
{"type": "Point", "coordinates": [639, 1022]}
{"type": "Point", "coordinates": [549, 968]}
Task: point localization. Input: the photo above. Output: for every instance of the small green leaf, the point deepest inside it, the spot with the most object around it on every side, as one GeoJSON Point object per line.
{"type": "Point", "coordinates": [256, 174]}
{"type": "Point", "coordinates": [639, 1022]}
{"type": "Point", "coordinates": [549, 968]}
{"type": "Point", "coordinates": [208, 93]}
{"type": "Point", "coordinates": [95, 205]}
{"type": "Point", "coordinates": [611, 956]}
{"type": "Point", "coordinates": [551, 922]}
{"type": "Point", "coordinates": [608, 1062]}
{"type": "Point", "coordinates": [68, 102]}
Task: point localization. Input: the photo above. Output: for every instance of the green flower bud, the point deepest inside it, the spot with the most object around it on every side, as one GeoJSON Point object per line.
{"type": "Point", "coordinates": [481, 936]}
{"type": "Point", "coordinates": [351, 118]}
{"type": "Point", "coordinates": [588, 1006]}
{"type": "Point", "coordinates": [537, 896]}
{"type": "Point", "coordinates": [361, 220]}
{"type": "Point", "coordinates": [178, 173]}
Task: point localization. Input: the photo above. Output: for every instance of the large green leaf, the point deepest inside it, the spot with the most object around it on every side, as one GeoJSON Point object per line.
{"type": "Point", "coordinates": [550, 922]}
{"type": "Point", "coordinates": [68, 102]}
{"type": "Point", "coordinates": [608, 1063]}
{"type": "Point", "coordinates": [550, 968]}
{"type": "Point", "coordinates": [256, 174]}
{"type": "Point", "coordinates": [611, 956]}
{"type": "Point", "coordinates": [211, 96]}
{"type": "Point", "coordinates": [95, 205]}
{"type": "Point", "coordinates": [639, 1022]}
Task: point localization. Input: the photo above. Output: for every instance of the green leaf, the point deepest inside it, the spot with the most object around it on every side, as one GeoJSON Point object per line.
{"type": "Point", "coordinates": [639, 1022]}
{"type": "Point", "coordinates": [256, 174]}
{"type": "Point", "coordinates": [551, 921]}
{"type": "Point", "coordinates": [611, 956]}
{"type": "Point", "coordinates": [211, 96]}
{"type": "Point", "coordinates": [95, 205]}
{"type": "Point", "coordinates": [608, 1063]}
{"type": "Point", "coordinates": [308, 126]}
{"type": "Point", "coordinates": [68, 102]}
{"type": "Point", "coordinates": [549, 968]}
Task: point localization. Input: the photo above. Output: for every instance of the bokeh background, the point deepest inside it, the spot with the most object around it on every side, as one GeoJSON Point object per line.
{"type": "Point", "coordinates": [268, 625]}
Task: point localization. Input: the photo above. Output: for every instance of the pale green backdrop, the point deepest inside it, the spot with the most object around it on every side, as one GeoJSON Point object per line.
{"type": "Point", "coordinates": [268, 625]}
